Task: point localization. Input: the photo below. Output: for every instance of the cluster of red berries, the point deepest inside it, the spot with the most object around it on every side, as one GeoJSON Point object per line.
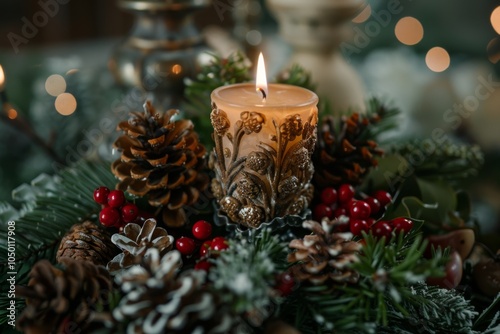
{"type": "Point", "coordinates": [116, 211]}
{"type": "Point", "coordinates": [359, 215]}
{"type": "Point", "coordinates": [202, 231]}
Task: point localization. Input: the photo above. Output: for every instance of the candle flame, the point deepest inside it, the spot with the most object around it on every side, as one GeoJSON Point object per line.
{"type": "Point", "coordinates": [2, 78]}
{"type": "Point", "coordinates": [261, 82]}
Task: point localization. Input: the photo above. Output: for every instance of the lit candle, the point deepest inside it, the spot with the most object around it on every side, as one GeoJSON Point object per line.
{"type": "Point", "coordinates": [264, 138]}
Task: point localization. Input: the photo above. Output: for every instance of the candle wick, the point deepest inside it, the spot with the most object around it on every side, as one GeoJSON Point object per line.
{"type": "Point", "coordinates": [263, 92]}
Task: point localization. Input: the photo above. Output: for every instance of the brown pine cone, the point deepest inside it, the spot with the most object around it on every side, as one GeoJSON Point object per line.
{"type": "Point", "coordinates": [87, 242]}
{"type": "Point", "coordinates": [158, 300]}
{"type": "Point", "coordinates": [57, 297]}
{"type": "Point", "coordinates": [135, 241]}
{"type": "Point", "coordinates": [342, 155]}
{"type": "Point", "coordinates": [323, 255]}
{"type": "Point", "coordinates": [161, 159]}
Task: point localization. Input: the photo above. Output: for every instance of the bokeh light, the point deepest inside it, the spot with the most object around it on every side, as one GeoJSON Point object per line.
{"type": "Point", "coordinates": [65, 104]}
{"type": "Point", "coordinates": [254, 37]}
{"type": "Point", "coordinates": [495, 19]}
{"type": "Point", "coordinates": [176, 69]}
{"type": "Point", "coordinates": [55, 85]}
{"type": "Point", "coordinates": [437, 59]}
{"type": "Point", "coordinates": [364, 15]}
{"type": "Point", "coordinates": [12, 113]}
{"type": "Point", "coordinates": [409, 30]}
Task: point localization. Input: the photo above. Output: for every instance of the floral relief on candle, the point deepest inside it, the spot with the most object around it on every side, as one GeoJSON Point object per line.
{"type": "Point", "coordinates": [262, 154]}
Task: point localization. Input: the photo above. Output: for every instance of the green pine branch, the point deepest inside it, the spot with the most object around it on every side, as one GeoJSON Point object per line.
{"type": "Point", "coordinates": [387, 271]}
{"type": "Point", "coordinates": [439, 311]}
{"type": "Point", "coordinates": [39, 230]}
{"type": "Point", "coordinates": [244, 274]}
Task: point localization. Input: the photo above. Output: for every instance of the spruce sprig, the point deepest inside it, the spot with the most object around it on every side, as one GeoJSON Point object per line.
{"type": "Point", "coordinates": [440, 311]}
{"type": "Point", "coordinates": [388, 269]}
{"type": "Point", "coordinates": [245, 273]}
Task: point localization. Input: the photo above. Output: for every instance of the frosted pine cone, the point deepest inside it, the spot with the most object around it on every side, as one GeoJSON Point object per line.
{"type": "Point", "coordinates": [324, 256]}
{"type": "Point", "coordinates": [135, 241]}
{"type": "Point", "coordinates": [158, 300]}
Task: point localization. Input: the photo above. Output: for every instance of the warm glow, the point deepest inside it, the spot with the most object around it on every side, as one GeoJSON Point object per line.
{"type": "Point", "coordinates": [176, 69]}
{"type": "Point", "coordinates": [12, 113]}
{"type": "Point", "coordinates": [2, 78]}
{"type": "Point", "coordinates": [495, 19]}
{"type": "Point", "coordinates": [65, 104]}
{"type": "Point", "coordinates": [437, 59]}
{"type": "Point", "coordinates": [261, 82]}
{"type": "Point", "coordinates": [364, 15]}
{"type": "Point", "coordinates": [409, 30]}
{"type": "Point", "coordinates": [55, 85]}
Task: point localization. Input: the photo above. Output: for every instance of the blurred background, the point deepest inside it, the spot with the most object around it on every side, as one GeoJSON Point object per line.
{"type": "Point", "coordinates": [72, 68]}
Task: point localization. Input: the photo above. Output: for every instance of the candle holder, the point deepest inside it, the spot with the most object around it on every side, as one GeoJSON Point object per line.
{"type": "Point", "coordinates": [262, 157]}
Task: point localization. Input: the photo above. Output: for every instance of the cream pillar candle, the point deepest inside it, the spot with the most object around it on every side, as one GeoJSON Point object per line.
{"type": "Point", "coordinates": [263, 147]}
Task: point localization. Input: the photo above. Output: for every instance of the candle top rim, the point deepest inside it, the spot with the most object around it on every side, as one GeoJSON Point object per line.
{"type": "Point", "coordinates": [244, 95]}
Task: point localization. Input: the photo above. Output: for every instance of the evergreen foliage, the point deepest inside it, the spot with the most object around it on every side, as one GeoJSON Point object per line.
{"type": "Point", "coordinates": [45, 220]}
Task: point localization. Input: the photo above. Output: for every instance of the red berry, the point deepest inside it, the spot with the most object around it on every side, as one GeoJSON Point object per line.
{"type": "Point", "coordinates": [109, 216]}
{"type": "Point", "coordinates": [359, 225]}
{"type": "Point", "coordinates": [381, 229]}
{"type": "Point", "coordinates": [329, 196]}
{"type": "Point", "coordinates": [202, 230]}
{"type": "Point", "coordinates": [101, 195]}
{"type": "Point", "coordinates": [116, 198]}
{"type": "Point", "coordinates": [339, 212]}
{"type": "Point", "coordinates": [359, 210]}
{"type": "Point", "coordinates": [129, 212]}
{"type": "Point", "coordinates": [383, 197]}
{"type": "Point", "coordinates": [374, 205]}
{"type": "Point", "coordinates": [402, 224]}
{"type": "Point", "coordinates": [219, 244]}
{"type": "Point", "coordinates": [345, 193]}
{"type": "Point", "coordinates": [285, 284]}
{"type": "Point", "coordinates": [203, 265]}
{"type": "Point", "coordinates": [205, 248]}
{"type": "Point", "coordinates": [322, 210]}
{"type": "Point", "coordinates": [185, 245]}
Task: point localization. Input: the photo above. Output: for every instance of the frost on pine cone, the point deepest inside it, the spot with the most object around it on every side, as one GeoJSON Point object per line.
{"type": "Point", "coordinates": [343, 154]}
{"type": "Point", "coordinates": [161, 159]}
{"type": "Point", "coordinates": [134, 243]}
{"type": "Point", "coordinates": [55, 297]}
{"type": "Point", "coordinates": [158, 300]}
{"type": "Point", "coordinates": [323, 256]}
{"type": "Point", "coordinates": [87, 242]}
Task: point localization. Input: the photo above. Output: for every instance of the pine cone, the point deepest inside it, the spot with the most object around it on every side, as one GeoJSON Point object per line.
{"type": "Point", "coordinates": [135, 241]}
{"type": "Point", "coordinates": [342, 155]}
{"type": "Point", "coordinates": [161, 159]}
{"type": "Point", "coordinates": [87, 242]}
{"type": "Point", "coordinates": [158, 300]}
{"type": "Point", "coordinates": [323, 255]}
{"type": "Point", "coordinates": [56, 297]}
